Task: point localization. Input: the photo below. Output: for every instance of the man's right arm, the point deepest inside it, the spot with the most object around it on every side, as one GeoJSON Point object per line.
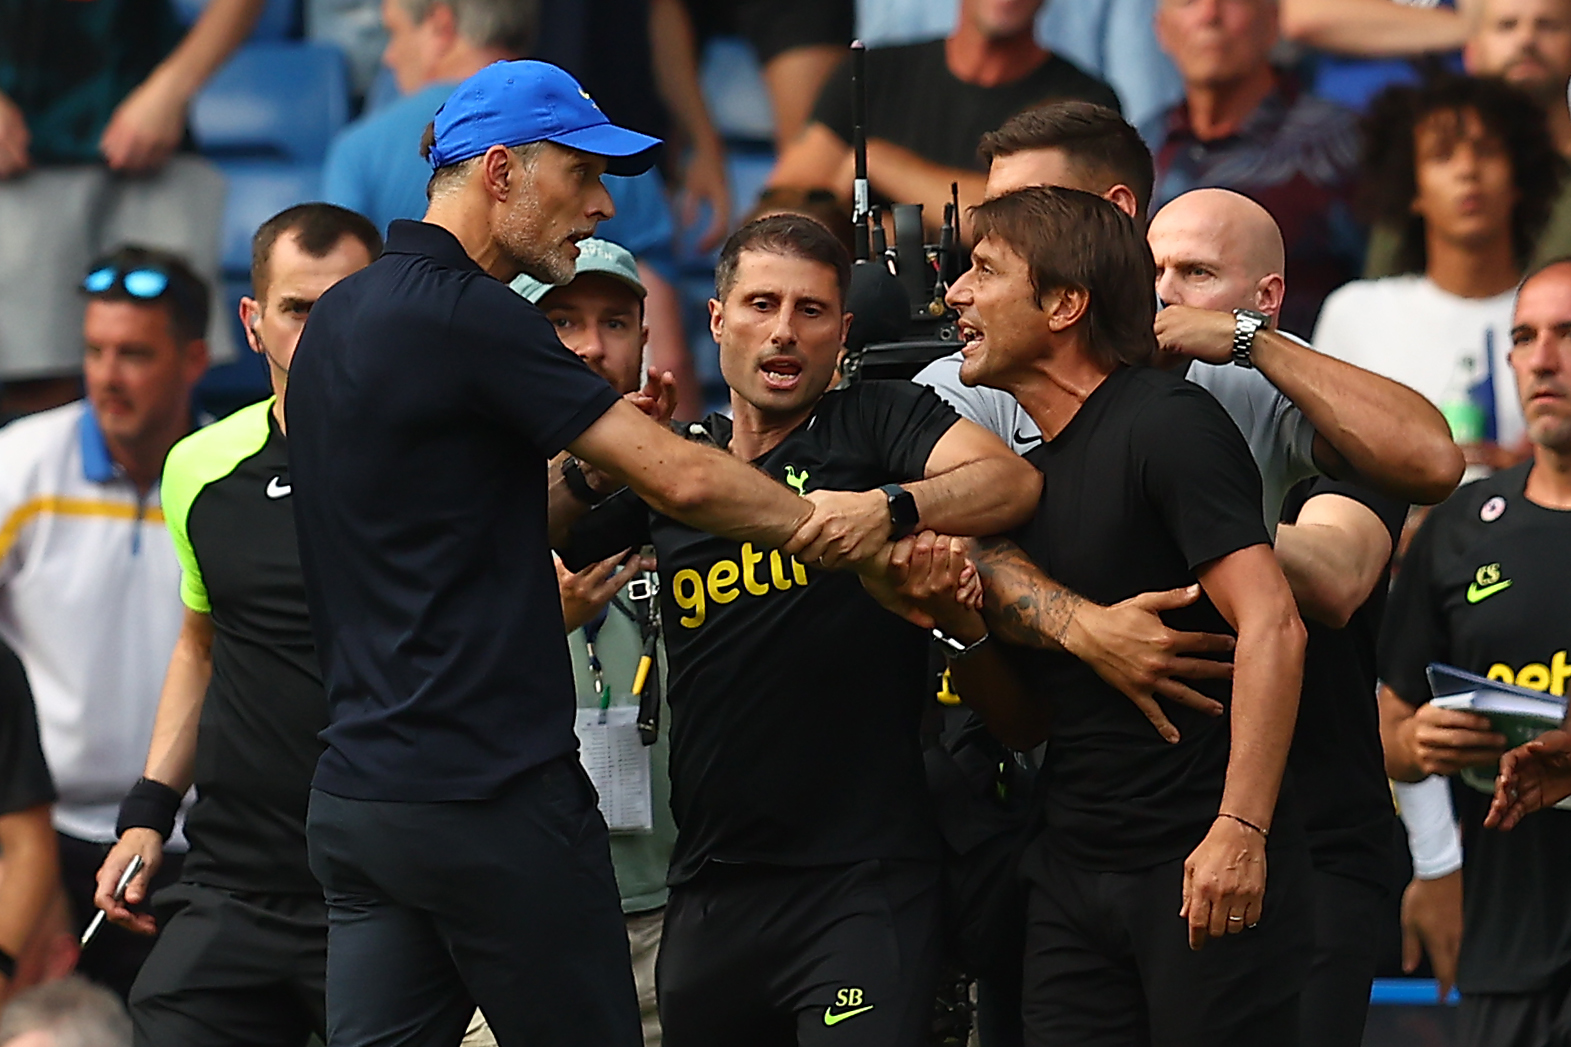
{"type": "Point", "coordinates": [698, 485]}
{"type": "Point", "coordinates": [1127, 644]}
{"type": "Point", "coordinates": [171, 761]}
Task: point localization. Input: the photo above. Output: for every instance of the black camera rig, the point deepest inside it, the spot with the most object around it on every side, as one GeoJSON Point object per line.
{"type": "Point", "coordinates": [900, 322]}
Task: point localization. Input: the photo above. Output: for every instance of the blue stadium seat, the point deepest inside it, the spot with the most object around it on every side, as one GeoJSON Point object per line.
{"type": "Point", "coordinates": [284, 100]}
{"type": "Point", "coordinates": [734, 90]}
{"type": "Point", "coordinates": [280, 18]}
{"type": "Point", "coordinates": [259, 189]}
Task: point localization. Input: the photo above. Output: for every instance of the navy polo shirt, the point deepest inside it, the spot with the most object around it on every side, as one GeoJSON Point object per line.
{"type": "Point", "coordinates": [425, 399]}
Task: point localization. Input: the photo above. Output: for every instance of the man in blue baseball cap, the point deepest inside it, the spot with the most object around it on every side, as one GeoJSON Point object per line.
{"type": "Point", "coordinates": [455, 833]}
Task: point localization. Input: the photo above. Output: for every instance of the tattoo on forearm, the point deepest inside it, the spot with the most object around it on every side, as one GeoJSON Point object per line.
{"type": "Point", "coordinates": [1021, 603]}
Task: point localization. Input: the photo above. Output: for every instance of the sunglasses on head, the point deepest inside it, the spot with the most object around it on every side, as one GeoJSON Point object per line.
{"type": "Point", "coordinates": [142, 282]}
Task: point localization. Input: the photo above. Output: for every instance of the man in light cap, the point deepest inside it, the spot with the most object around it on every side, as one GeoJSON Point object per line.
{"type": "Point", "coordinates": [453, 829]}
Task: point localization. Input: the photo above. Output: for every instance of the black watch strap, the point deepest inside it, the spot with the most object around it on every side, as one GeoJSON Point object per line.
{"type": "Point", "coordinates": [578, 483]}
{"type": "Point", "coordinates": [904, 516]}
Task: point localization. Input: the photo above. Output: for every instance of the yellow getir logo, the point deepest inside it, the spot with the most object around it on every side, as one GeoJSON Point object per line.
{"type": "Point", "coordinates": [694, 592]}
{"type": "Point", "coordinates": [1536, 676]}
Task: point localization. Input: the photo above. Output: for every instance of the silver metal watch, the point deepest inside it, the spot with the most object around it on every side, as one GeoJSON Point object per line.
{"type": "Point", "coordinates": [1246, 323]}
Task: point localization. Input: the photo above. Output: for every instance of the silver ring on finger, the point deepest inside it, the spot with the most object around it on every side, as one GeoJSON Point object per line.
{"type": "Point", "coordinates": [1235, 919]}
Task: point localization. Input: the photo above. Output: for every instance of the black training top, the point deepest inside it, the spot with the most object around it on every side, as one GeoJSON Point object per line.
{"type": "Point", "coordinates": [24, 776]}
{"type": "Point", "coordinates": [1484, 588]}
{"type": "Point", "coordinates": [1336, 759]}
{"type": "Point", "coordinates": [914, 101]}
{"type": "Point", "coordinates": [1149, 481]}
{"type": "Point", "coordinates": [226, 493]}
{"type": "Point", "coordinates": [795, 698]}
{"type": "Point", "coordinates": [424, 401]}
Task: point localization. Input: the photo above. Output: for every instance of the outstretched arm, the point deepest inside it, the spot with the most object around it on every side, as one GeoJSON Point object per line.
{"type": "Point", "coordinates": [698, 485]}
{"type": "Point", "coordinates": [1365, 424]}
{"type": "Point", "coordinates": [973, 485]}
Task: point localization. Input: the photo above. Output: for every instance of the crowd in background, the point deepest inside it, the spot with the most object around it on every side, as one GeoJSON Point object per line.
{"type": "Point", "coordinates": [1413, 157]}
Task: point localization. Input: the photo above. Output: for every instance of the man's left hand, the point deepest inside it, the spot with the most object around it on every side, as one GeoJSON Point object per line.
{"type": "Point", "coordinates": [846, 529]}
{"type": "Point", "coordinates": [586, 593]}
{"type": "Point", "coordinates": [1201, 334]}
{"type": "Point", "coordinates": [657, 398]}
{"type": "Point", "coordinates": [145, 129]}
{"type": "Point", "coordinates": [1224, 882]}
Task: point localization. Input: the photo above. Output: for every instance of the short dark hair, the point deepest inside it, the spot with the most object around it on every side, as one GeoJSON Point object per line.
{"type": "Point", "coordinates": [187, 300]}
{"type": "Point", "coordinates": [448, 173]}
{"type": "Point", "coordinates": [822, 205]}
{"type": "Point", "coordinates": [1094, 137]}
{"type": "Point", "coordinates": [1389, 179]}
{"type": "Point", "coordinates": [317, 228]}
{"type": "Point", "coordinates": [793, 235]}
{"type": "Point", "coordinates": [1071, 238]}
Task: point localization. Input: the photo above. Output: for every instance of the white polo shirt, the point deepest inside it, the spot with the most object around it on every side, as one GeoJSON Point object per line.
{"type": "Point", "coordinates": [90, 602]}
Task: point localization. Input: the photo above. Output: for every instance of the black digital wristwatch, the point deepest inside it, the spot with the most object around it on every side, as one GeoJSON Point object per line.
{"type": "Point", "coordinates": [903, 514]}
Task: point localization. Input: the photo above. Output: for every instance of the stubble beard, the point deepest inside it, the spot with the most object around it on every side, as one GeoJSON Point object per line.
{"type": "Point", "coordinates": [521, 237]}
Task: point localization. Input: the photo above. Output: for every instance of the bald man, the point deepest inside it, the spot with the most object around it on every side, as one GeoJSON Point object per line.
{"type": "Point", "coordinates": [1304, 413]}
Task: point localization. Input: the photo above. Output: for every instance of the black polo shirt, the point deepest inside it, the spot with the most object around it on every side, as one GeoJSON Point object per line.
{"type": "Point", "coordinates": [424, 401]}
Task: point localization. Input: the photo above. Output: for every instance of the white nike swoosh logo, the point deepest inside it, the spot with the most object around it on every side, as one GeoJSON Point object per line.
{"type": "Point", "coordinates": [278, 490]}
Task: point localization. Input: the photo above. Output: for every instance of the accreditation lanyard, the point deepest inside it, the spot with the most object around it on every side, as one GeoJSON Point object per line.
{"type": "Point", "coordinates": [646, 680]}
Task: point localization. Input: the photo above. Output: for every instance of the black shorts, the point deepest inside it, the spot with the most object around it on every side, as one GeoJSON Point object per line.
{"type": "Point", "coordinates": [774, 27]}
{"type": "Point", "coordinates": [754, 956]}
{"type": "Point", "coordinates": [1108, 962]}
{"type": "Point", "coordinates": [233, 970]}
{"type": "Point", "coordinates": [1529, 1019]}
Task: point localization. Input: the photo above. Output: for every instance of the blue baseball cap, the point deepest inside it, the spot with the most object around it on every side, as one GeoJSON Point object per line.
{"type": "Point", "coordinates": [515, 103]}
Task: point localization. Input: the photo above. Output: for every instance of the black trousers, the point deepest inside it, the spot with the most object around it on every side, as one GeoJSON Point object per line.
{"type": "Point", "coordinates": [115, 955]}
{"type": "Point", "coordinates": [1108, 963]}
{"type": "Point", "coordinates": [760, 956]}
{"type": "Point", "coordinates": [1335, 1004]}
{"type": "Point", "coordinates": [509, 903]}
{"type": "Point", "coordinates": [1535, 1019]}
{"type": "Point", "coordinates": [233, 969]}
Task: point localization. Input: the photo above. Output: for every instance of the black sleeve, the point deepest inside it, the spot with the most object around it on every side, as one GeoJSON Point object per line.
{"type": "Point", "coordinates": [1414, 632]}
{"type": "Point", "coordinates": [620, 522]}
{"type": "Point", "coordinates": [1196, 467]}
{"type": "Point", "coordinates": [24, 777]}
{"type": "Point", "coordinates": [833, 108]}
{"type": "Point", "coordinates": [521, 374]}
{"type": "Point", "coordinates": [900, 423]}
{"type": "Point", "coordinates": [1392, 511]}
